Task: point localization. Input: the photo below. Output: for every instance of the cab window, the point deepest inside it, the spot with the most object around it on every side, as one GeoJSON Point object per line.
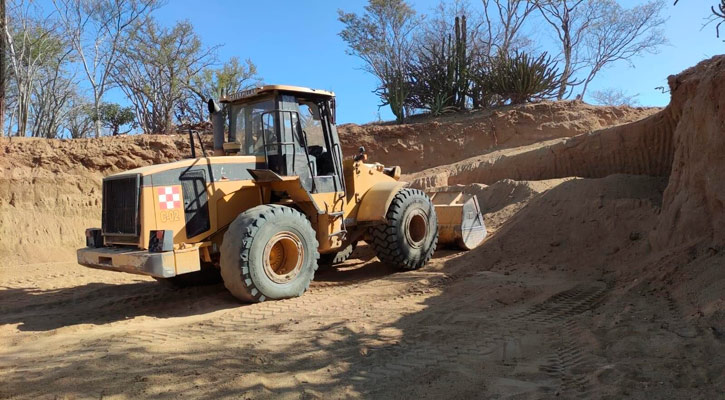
{"type": "Point", "coordinates": [246, 126]}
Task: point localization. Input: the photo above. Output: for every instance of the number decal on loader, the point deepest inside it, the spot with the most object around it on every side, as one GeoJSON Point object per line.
{"type": "Point", "coordinates": [170, 216]}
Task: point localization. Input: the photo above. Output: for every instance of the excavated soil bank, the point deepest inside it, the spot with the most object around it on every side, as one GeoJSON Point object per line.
{"type": "Point", "coordinates": [50, 190]}
{"type": "Point", "coordinates": [684, 142]}
{"type": "Point", "coordinates": [432, 142]}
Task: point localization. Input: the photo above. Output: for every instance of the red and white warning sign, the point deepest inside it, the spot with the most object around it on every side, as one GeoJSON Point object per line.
{"type": "Point", "coordinates": [169, 197]}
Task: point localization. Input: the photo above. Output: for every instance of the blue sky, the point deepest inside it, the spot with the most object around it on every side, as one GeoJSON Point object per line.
{"type": "Point", "coordinates": [297, 42]}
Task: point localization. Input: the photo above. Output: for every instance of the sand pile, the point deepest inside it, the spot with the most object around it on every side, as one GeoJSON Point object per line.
{"type": "Point", "coordinates": [503, 199]}
{"type": "Point", "coordinates": [580, 223]}
{"type": "Point", "coordinates": [684, 141]}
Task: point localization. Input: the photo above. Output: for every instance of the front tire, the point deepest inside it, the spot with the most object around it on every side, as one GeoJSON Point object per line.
{"type": "Point", "coordinates": [410, 236]}
{"type": "Point", "coordinates": [269, 252]}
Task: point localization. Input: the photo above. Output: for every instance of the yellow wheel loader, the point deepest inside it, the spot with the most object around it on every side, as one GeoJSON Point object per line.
{"type": "Point", "coordinates": [276, 199]}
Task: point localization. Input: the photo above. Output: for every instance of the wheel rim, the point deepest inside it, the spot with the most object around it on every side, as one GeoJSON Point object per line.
{"type": "Point", "coordinates": [283, 257]}
{"type": "Point", "coordinates": [416, 228]}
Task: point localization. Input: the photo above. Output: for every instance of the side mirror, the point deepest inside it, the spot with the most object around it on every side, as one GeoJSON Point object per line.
{"type": "Point", "coordinates": [361, 155]}
{"type": "Point", "coordinates": [213, 106]}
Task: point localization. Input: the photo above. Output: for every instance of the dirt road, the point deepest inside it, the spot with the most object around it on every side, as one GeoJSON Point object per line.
{"type": "Point", "coordinates": [459, 328]}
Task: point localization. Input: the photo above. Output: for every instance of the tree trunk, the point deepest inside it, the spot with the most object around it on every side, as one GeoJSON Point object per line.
{"type": "Point", "coordinates": [97, 113]}
{"type": "Point", "coordinates": [23, 113]}
{"type": "Point", "coordinates": [566, 74]}
{"type": "Point", "coordinates": [2, 68]}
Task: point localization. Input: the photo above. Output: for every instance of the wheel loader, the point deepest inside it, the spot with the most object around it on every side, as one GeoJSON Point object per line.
{"type": "Point", "coordinates": [276, 199]}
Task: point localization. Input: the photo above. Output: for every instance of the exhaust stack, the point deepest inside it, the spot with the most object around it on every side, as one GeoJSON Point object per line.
{"type": "Point", "coordinates": [217, 122]}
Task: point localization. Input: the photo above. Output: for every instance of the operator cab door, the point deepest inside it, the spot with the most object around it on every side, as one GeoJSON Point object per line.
{"type": "Point", "coordinates": [300, 139]}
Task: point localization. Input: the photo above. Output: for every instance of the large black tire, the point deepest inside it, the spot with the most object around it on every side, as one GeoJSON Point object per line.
{"type": "Point", "coordinates": [330, 259]}
{"type": "Point", "coordinates": [208, 275]}
{"type": "Point", "coordinates": [269, 252]}
{"type": "Point", "coordinates": [410, 236]}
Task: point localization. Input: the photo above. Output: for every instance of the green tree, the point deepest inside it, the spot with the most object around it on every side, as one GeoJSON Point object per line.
{"type": "Point", "coordinates": [233, 76]}
{"type": "Point", "coordinates": [382, 37]}
{"type": "Point", "coordinates": [156, 70]}
{"type": "Point", "coordinates": [113, 117]}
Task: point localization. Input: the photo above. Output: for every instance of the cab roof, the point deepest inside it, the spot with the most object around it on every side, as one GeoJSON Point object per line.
{"type": "Point", "coordinates": [262, 90]}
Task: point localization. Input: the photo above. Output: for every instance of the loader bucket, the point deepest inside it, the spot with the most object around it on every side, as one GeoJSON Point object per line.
{"type": "Point", "coordinates": [460, 222]}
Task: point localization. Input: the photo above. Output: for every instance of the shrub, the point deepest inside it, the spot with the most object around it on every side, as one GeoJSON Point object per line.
{"type": "Point", "coordinates": [520, 78]}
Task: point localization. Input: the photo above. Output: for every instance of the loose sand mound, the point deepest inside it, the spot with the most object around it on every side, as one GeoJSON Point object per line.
{"type": "Point", "coordinates": [503, 199]}
{"type": "Point", "coordinates": [684, 141]}
{"type": "Point", "coordinates": [432, 142]}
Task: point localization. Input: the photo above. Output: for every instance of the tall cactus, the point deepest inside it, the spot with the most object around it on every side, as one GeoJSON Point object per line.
{"type": "Point", "coordinates": [441, 72]}
{"type": "Point", "coordinates": [460, 50]}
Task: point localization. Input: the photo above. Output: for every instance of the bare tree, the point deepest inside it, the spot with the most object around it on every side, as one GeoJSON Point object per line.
{"type": "Point", "coordinates": [595, 33]}
{"type": "Point", "coordinates": [621, 34]}
{"type": "Point", "coordinates": [509, 17]}
{"type": "Point", "coordinates": [156, 71]}
{"type": "Point", "coordinates": [51, 93]}
{"type": "Point", "coordinates": [97, 30]}
{"type": "Point", "coordinates": [718, 15]}
{"type": "Point", "coordinates": [383, 39]}
{"type": "Point", "coordinates": [79, 121]}
{"type": "Point", "coordinates": [571, 20]}
{"type": "Point", "coordinates": [32, 42]}
{"type": "Point", "coordinates": [615, 97]}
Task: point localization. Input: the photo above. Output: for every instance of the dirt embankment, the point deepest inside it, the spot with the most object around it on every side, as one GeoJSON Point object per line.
{"type": "Point", "coordinates": [441, 141]}
{"type": "Point", "coordinates": [683, 142]}
{"type": "Point", "coordinates": [50, 190]}
{"type": "Point", "coordinates": [643, 147]}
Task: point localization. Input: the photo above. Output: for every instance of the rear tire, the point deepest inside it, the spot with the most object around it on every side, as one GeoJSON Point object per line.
{"type": "Point", "coordinates": [269, 252]}
{"type": "Point", "coordinates": [410, 236]}
{"type": "Point", "coordinates": [330, 259]}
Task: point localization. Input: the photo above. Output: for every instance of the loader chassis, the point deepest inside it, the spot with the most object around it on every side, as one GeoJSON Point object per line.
{"type": "Point", "coordinates": [281, 150]}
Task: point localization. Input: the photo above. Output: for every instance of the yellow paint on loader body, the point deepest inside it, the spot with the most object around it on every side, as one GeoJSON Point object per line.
{"type": "Point", "coordinates": [234, 183]}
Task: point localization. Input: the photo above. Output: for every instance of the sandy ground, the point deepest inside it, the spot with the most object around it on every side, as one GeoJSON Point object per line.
{"type": "Point", "coordinates": [492, 323]}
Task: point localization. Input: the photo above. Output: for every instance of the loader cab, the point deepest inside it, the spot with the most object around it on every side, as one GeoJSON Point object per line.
{"type": "Point", "coordinates": [291, 130]}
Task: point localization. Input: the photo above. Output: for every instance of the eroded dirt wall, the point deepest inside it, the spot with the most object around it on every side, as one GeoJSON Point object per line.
{"type": "Point", "coordinates": [693, 205]}
{"type": "Point", "coordinates": [643, 147]}
{"type": "Point", "coordinates": [432, 142]}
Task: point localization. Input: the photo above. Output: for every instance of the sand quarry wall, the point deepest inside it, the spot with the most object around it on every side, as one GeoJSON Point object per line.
{"type": "Point", "coordinates": [685, 142]}
{"type": "Point", "coordinates": [50, 190]}
{"type": "Point", "coordinates": [431, 142]}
